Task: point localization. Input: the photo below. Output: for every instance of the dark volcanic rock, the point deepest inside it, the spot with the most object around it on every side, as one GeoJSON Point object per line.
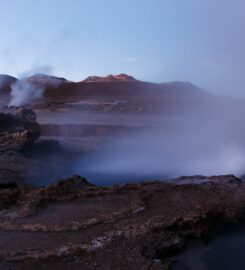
{"type": "Point", "coordinates": [68, 186]}
{"type": "Point", "coordinates": [27, 119]}
{"type": "Point", "coordinates": [140, 226]}
{"type": "Point", "coordinates": [24, 158]}
{"type": "Point", "coordinates": [18, 130]}
{"type": "Point", "coordinates": [9, 178]}
{"type": "Point", "coordinates": [7, 122]}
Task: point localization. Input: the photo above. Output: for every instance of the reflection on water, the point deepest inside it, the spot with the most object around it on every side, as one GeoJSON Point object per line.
{"type": "Point", "coordinates": [226, 251]}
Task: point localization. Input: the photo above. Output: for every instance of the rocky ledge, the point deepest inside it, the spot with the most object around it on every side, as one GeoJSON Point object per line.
{"type": "Point", "coordinates": [75, 225]}
{"type": "Point", "coordinates": [26, 158]}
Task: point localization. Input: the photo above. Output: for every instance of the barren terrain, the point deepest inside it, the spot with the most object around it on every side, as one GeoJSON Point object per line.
{"type": "Point", "coordinates": [74, 225]}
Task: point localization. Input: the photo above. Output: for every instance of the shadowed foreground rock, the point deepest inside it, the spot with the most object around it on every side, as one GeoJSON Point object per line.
{"type": "Point", "coordinates": [75, 225]}
{"type": "Point", "coordinates": [18, 130]}
{"type": "Point", "coordinates": [24, 157]}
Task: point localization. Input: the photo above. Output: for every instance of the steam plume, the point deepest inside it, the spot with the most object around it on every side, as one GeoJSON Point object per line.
{"type": "Point", "coordinates": [207, 142]}
{"type": "Point", "coordinates": [23, 92]}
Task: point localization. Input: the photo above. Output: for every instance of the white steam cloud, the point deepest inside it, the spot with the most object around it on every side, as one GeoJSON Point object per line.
{"type": "Point", "coordinates": [24, 92]}
{"type": "Point", "coordinates": [36, 69]}
{"type": "Point", "coordinates": [209, 141]}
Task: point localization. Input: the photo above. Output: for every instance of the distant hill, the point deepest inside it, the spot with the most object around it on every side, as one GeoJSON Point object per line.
{"type": "Point", "coordinates": [6, 80]}
{"type": "Point", "coordinates": [120, 93]}
{"type": "Point", "coordinates": [110, 78]}
{"type": "Point", "coordinates": [45, 79]}
{"type": "Point", "coordinates": [5, 83]}
{"type": "Point", "coordinates": [116, 93]}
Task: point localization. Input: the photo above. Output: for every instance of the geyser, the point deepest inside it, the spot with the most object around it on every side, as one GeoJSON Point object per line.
{"type": "Point", "coordinates": [23, 92]}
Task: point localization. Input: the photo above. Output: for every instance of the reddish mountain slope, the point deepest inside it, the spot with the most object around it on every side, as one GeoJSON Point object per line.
{"type": "Point", "coordinates": [111, 78]}
{"type": "Point", "coordinates": [117, 93]}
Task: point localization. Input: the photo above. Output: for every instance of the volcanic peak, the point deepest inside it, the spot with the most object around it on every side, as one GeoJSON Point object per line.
{"type": "Point", "coordinates": [110, 78]}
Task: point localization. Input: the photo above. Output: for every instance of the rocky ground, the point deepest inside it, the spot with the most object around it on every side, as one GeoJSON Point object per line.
{"type": "Point", "coordinates": [75, 225]}
{"type": "Point", "coordinates": [25, 157]}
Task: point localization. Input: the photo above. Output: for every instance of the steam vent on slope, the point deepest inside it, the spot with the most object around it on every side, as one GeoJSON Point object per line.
{"type": "Point", "coordinates": [86, 169]}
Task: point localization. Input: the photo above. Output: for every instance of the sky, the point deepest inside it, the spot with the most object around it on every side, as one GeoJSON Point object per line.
{"type": "Point", "coordinates": [200, 41]}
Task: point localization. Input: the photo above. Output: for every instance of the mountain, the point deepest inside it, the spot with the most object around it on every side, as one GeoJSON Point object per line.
{"type": "Point", "coordinates": [110, 78]}
{"type": "Point", "coordinates": [44, 79]}
{"type": "Point", "coordinates": [122, 93]}
{"type": "Point", "coordinates": [6, 80]}
{"type": "Point", "coordinates": [119, 93]}
{"type": "Point", "coordinates": [5, 86]}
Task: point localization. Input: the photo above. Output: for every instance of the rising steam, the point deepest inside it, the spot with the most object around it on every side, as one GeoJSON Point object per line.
{"type": "Point", "coordinates": [209, 141]}
{"type": "Point", "coordinates": [24, 92]}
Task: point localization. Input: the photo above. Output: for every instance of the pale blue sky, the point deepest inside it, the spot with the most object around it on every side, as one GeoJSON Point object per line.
{"type": "Point", "coordinates": [201, 41]}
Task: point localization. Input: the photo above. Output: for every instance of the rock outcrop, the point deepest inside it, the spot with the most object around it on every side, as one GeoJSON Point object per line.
{"type": "Point", "coordinates": [18, 130]}
{"type": "Point", "coordinates": [74, 225]}
{"type": "Point", "coordinates": [25, 158]}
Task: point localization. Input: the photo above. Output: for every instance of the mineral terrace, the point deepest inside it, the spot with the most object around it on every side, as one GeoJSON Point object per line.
{"type": "Point", "coordinates": [74, 225]}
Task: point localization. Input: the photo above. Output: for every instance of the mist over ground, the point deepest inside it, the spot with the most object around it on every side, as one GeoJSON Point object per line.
{"type": "Point", "coordinates": [163, 131]}
{"type": "Point", "coordinates": [208, 140]}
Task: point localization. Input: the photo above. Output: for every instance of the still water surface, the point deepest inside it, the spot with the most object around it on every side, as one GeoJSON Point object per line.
{"type": "Point", "coordinates": [225, 251]}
